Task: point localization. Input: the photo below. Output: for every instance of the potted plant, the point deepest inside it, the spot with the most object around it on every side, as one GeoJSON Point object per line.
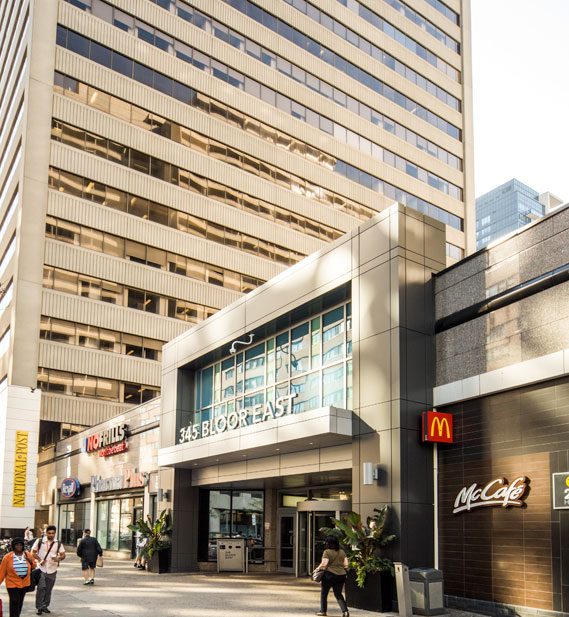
{"type": "Point", "coordinates": [158, 534]}
{"type": "Point", "coordinates": [370, 575]}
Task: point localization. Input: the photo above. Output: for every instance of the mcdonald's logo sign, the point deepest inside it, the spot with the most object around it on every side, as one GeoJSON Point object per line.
{"type": "Point", "coordinates": [437, 427]}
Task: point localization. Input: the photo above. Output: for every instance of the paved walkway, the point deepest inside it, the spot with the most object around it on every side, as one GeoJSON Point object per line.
{"type": "Point", "coordinates": [123, 591]}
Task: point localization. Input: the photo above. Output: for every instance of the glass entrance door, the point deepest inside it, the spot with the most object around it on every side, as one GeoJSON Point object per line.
{"type": "Point", "coordinates": [312, 515]}
{"type": "Point", "coordinates": [286, 543]}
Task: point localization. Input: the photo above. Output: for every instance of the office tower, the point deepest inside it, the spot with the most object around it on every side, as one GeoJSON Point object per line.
{"type": "Point", "coordinates": [159, 158]}
{"type": "Point", "coordinates": [509, 207]}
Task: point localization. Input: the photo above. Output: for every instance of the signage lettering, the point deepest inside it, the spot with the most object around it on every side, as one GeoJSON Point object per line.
{"type": "Point", "coordinates": [238, 419]}
{"type": "Point", "coordinates": [130, 478]}
{"type": "Point", "coordinates": [20, 470]}
{"type": "Point", "coordinates": [116, 448]}
{"type": "Point", "coordinates": [105, 439]}
{"type": "Point", "coordinates": [496, 493]}
{"type": "Point", "coordinates": [437, 427]}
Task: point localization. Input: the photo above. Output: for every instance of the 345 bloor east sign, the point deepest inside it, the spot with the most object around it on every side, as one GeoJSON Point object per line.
{"type": "Point", "coordinates": [238, 419]}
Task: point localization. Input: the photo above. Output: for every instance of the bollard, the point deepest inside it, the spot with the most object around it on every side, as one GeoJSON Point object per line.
{"type": "Point", "coordinates": [403, 589]}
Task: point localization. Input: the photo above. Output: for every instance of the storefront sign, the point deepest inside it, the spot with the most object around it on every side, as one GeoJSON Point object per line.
{"type": "Point", "coordinates": [238, 419]}
{"type": "Point", "coordinates": [70, 487]}
{"type": "Point", "coordinates": [561, 491]}
{"type": "Point", "coordinates": [20, 470]}
{"type": "Point", "coordinates": [130, 478]}
{"type": "Point", "coordinates": [437, 427]}
{"type": "Point", "coordinates": [116, 448]}
{"type": "Point", "coordinates": [496, 493]}
{"type": "Point", "coordinates": [103, 440]}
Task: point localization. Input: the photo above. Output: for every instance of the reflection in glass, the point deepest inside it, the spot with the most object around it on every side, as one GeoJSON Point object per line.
{"type": "Point", "coordinates": [300, 349]}
{"type": "Point", "coordinates": [333, 386]}
{"type": "Point", "coordinates": [307, 389]}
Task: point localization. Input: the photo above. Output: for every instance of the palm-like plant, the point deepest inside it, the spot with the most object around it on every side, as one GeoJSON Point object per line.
{"type": "Point", "coordinates": [158, 533]}
{"type": "Point", "coordinates": [363, 543]}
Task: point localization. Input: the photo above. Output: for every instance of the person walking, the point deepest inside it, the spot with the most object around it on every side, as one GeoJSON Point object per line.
{"type": "Point", "coordinates": [49, 552]}
{"type": "Point", "coordinates": [334, 562]}
{"type": "Point", "coordinates": [15, 569]}
{"type": "Point", "coordinates": [88, 550]}
{"type": "Point", "coordinates": [141, 543]}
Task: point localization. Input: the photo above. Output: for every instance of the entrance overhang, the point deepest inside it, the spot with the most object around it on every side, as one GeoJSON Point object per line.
{"type": "Point", "coordinates": [318, 428]}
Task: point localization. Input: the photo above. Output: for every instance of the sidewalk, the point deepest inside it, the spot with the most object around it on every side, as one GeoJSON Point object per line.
{"type": "Point", "coordinates": [123, 591]}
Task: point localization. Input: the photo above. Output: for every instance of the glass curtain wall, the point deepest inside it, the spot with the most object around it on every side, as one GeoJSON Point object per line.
{"type": "Point", "coordinates": [311, 361]}
{"type": "Point", "coordinates": [73, 519]}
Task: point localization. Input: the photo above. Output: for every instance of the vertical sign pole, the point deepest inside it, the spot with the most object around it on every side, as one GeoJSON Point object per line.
{"type": "Point", "coordinates": [436, 501]}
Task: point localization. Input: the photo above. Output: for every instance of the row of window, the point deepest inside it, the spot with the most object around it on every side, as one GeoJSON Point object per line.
{"type": "Point", "coordinates": [124, 111]}
{"type": "Point", "coordinates": [82, 335]}
{"type": "Point", "coordinates": [454, 252]}
{"type": "Point", "coordinates": [371, 50]}
{"type": "Point", "coordinates": [82, 45]}
{"type": "Point", "coordinates": [206, 63]}
{"type": "Point", "coordinates": [442, 8]}
{"type": "Point", "coordinates": [85, 188]}
{"type": "Point", "coordinates": [339, 62]}
{"type": "Point", "coordinates": [122, 295]}
{"type": "Point", "coordinates": [210, 147]}
{"type": "Point", "coordinates": [88, 386]}
{"type": "Point", "coordinates": [316, 343]}
{"type": "Point", "coordinates": [117, 246]}
{"type": "Point", "coordinates": [140, 161]}
{"type": "Point", "coordinates": [351, 70]}
{"type": "Point", "coordinates": [418, 20]}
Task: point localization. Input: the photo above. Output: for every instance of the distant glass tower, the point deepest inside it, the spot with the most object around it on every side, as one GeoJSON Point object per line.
{"type": "Point", "coordinates": [508, 207]}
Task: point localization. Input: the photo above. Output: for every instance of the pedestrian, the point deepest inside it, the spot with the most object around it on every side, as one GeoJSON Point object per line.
{"type": "Point", "coordinates": [141, 543]}
{"type": "Point", "coordinates": [28, 534]}
{"type": "Point", "coordinates": [49, 552]}
{"type": "Point", "coordinates": [88, 550]}
{"type": "Point", "coordinates": [334, 562]}
{"type": "Point", "coordinates": [15, 569]}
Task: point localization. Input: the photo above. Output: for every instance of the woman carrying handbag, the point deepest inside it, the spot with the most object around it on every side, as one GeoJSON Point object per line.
{"type": "Point", "coordinates": [333, 565]}
{"type": "Point", "coordinates": [16, 569]}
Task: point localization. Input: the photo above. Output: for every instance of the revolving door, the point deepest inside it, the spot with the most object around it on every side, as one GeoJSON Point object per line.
{"type": "Point", "coordinates": [311, 516]}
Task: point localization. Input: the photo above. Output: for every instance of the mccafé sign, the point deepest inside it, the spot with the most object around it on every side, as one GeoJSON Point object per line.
{"type": "Point", "coordinates": [437, 427]}
{"type": "Point", "coordinates": [238, 419]}
{"type": "Point", "coordinates": [109, 441]}
{"type": "Point", "coordinates": [496, 493]}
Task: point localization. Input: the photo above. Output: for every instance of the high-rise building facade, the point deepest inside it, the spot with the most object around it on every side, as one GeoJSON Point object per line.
{"type": "Point", "coordinates": [159, 158]}
{"type": "Point", "coordinates": [509, 207]}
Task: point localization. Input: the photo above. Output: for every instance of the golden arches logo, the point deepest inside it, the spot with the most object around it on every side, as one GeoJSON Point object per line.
{"type": "Point", "coordinates": [440, 423]}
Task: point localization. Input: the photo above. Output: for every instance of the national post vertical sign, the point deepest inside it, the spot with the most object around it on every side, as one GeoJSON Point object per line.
{"type": "Point", "coordinates": [20, 470]}
{"type": "Point", "coordinates": [437, 427]}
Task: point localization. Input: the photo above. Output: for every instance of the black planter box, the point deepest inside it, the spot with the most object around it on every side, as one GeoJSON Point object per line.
{"type": "Point", "coordinates": [159, 562]}
{"type": "Point", "coordinates": [375, 595]}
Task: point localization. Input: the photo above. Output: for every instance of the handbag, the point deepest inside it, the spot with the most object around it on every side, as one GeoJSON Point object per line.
{"type": "Point", "coordinates": [100, 561]}
{"type": "Point", "coordinates": [318, 575]}
{"type": "Point", "coordinates": [35, 576]}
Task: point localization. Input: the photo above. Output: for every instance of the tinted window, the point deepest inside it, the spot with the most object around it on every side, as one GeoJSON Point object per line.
{"type": "Point", "coordinates": [79, 44]}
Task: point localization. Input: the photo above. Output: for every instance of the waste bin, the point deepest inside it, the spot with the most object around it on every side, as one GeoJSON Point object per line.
{"type": "Point", "coordinates": [231, 554]}
{"type": "Point", "coordinates": [427, 595]}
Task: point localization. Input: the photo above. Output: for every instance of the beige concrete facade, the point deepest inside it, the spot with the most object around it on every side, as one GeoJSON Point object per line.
{"type": "Point", "coordinates": [85, 314]}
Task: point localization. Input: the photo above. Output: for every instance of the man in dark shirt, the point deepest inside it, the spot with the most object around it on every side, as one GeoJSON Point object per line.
{"type": "Point", "coordinates": [88, 550]}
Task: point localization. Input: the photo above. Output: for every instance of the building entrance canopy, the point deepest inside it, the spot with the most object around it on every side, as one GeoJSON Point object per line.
{"type": "Point", "coordinates": [327, 426]}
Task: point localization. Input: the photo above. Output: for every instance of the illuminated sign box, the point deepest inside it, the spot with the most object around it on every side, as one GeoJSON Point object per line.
{"type": "Point", "coordinates": [437, 427]}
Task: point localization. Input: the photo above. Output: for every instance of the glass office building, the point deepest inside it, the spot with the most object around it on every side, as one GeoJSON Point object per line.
{"type": "Point", "coordinates": [507, 208]}
{"type": "Point", "coordinates": [161, 158]}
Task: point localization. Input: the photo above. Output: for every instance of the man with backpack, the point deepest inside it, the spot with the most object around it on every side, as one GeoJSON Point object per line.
{"type": "Point", "coordinates": [48, 552]}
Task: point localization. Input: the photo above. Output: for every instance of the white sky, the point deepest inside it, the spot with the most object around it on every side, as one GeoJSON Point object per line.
{"type": "Point", "coordinates": [520, 59]}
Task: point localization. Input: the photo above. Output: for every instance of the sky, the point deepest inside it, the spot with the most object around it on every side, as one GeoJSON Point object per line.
{"type": "Point", "coordinates": [520, 62]}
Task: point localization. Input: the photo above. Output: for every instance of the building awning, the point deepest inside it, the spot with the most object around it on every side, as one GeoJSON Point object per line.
{"type": "Point", "coordinates": [327, 426]}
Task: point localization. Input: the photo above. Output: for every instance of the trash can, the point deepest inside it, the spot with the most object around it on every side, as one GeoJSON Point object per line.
{"type": "Point", "coordinates": [231, 554]}
{"type": "Point", "coordinates": [427, 595]}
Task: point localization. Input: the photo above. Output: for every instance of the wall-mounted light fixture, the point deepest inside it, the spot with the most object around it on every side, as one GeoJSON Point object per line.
{"type": "Point", "coordinates": [233, 349]}
{"type": "Point", "coordinates": [163, 495]}
{"type": "Point", "coordinates": [371, 473]}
